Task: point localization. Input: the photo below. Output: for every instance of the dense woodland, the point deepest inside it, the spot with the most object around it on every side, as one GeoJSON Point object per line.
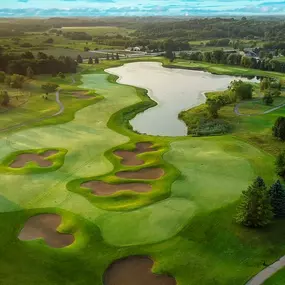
{"type": "Point", "coordinates": [41, 64]}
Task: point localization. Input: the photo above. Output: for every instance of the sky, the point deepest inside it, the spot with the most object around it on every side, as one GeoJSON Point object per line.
{"type": "Point", "coordinates": [93, 8]}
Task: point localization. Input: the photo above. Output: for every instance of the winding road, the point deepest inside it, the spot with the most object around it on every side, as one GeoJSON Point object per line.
{"type": "Point", "coordinates": [238, 113]}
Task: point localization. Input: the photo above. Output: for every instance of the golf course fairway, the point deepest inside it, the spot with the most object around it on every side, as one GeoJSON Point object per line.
{"type": "Point", "coordinates": [184, 223]}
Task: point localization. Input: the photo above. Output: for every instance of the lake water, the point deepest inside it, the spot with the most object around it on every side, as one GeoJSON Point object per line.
{"type": "Point", "coordinates": [174, 90]}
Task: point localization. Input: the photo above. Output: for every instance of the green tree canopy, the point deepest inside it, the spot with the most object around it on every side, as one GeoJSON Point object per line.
{"type": "Point", "coordinates": [255, 208]}
{"type": "Point", "coordinates": [79, 59]}
{"type": "Point", "coordinates": [30, 72]}
{"type": "Point", "coordinates": [277, 195]}
{"type": "Point", "coordinates": [4, 98]}
{"type": "Point", "coordinates": [213, 107]}
{"type": "Point", "coordinates": [280, 165]}
{"type": "Point", "coordinates": [49, 88]}
{"type": "Point", "coordinates": [279, 128]}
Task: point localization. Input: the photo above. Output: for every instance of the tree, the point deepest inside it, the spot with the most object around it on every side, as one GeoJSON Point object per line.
{"type": "Point", "coordinates": [61, 75]}
{"type": "Point", "coordinates": [279, 128]}
{"type": "Point", "coordinates": [42, 55]}
{"type": "Point", "coordinates": [30, 73]}
{"type": "Point", "coordinates": [107, 57]}
{"type": "Point", "coordinates": [90, 60]}
{"type": "Point", "coordinates": [113, 58]}
{"type": "Point", "coordinates": [96, 60]}
{"type": "Point", "coordinates": [213, 107]}
{"type": "Point", "coordinates": [49, 41]}
{"type": "Point", "coordinates": [255, 208]}
{"type": "Point", "coordinates": [28, 55]}
{"type": "Point", "coordinates": [117, 56]}
{"type": "Point", "coordinates": [268, 99]}
{"type": "Point", "coordinates": [2, 76]}
{"type": "Point", "coordinates": [49, 88]}
{"type": "Point", "coordinates": [242, 90]}
{"type": "Point", "coordinates": [15, 81]}
{"type": "Point", "coordinates": [277, 196]}
{"type": "Point", "coordinates": [4, 98]}
{"type": "Point", "coordinates": [280, 165]}
{"type": "Point", "coordinates": [79, 59]}
{"type": "Point", "coordinates": [170, 55]}
{"type": "Point", "coordinates": [264, 84]}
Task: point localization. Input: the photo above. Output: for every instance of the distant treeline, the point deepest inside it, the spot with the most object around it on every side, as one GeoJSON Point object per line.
{"type": "Point", "coordinates": [221, 57]}
{"type": "Point", "coordinates": [42, 64]}
{"type": "Point", "coordinates": [214, 28]}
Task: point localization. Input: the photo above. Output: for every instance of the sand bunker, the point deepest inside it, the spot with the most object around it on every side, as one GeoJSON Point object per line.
{"type": "Point", "coordinates": [40, 159]}
{"type": "Point", "coordinates": [146, 173]}
{"type": "Point", "coordinates": [135, 270]}
{"type": "Point", "coordinates": [130, 157]}
{"type": "Point", "coordinates": [44, 226]}
{"type": "Point", "coordinates": [101, 188]}
{"type": "Point", "coordinates": [81, 95]}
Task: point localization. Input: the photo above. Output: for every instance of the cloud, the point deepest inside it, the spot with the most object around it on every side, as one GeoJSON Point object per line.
{"type": "Point", "coordinates": [49, 8]}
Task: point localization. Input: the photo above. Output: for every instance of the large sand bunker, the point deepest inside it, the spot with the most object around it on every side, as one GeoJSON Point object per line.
{"type": "Point", "coordinates": [22, 159]}
{"type": "Point", "coordinates": [135, 270]}
{"type": "Point", "coordinates": [44, 226]}
{"type": "Point", "coordinates": [101, 188]}
{"type": "Point", "coordinates": [146, 173]}
{"type": "Point", "coordinates": [130, 157]}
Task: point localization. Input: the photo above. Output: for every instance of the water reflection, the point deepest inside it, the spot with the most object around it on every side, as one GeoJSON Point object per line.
{"type": "Point", "coordinates": [173, 89]}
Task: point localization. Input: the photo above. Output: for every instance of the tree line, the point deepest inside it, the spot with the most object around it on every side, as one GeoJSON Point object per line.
{"type": "Point", "coordinates": [237, 59]}
{"type": "Point", "coordinates": [40, 64]}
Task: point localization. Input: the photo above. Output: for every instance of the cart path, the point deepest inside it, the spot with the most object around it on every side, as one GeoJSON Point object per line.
{"type": "Point", "coordinates": [266, 273]}
{"type": "Point", "coordinates": [238, 113]}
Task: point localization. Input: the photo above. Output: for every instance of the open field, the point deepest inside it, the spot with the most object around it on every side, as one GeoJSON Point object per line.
{"type": "Point", "coordinates": [100, 31]}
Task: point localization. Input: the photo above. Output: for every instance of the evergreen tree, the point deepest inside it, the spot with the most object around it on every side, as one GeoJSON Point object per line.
{"type": "Point", "coordinates": [255, 208]}
{"type": "Point", "coordinates": [279, 128]}
{"type": "Point", "coordinates": [280, 165]}
{"type": "Point", "coordinates": [277, 195]}
{"type": "Point", "coordinates": [79, 59]}
{"type": "Point", "coordinates": [4, 98]}
{"type": "Point", "coordinates": [90, 60]}
{"type": "Point", "coordinates": [96, 60]}
{"type": "Point", "coordinates": [117, 56]}
{"type": "Point", "coordinates": [30, 72]}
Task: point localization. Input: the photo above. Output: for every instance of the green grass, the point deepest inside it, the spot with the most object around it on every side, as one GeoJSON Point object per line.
{"type": "Point", "coordinates": [257, 107]}
{"type": "Point", "coordinates": [224, 69]}
{"type": "Point", "coordinates": [277, 279]}
{"type": "Point", "coordinates": [189, 232]}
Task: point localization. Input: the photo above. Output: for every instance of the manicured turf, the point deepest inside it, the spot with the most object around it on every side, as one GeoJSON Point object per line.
{"type": "Point", "coordinates": [225, 69]}
{"type": "Point", "coordinates": [190, 232]}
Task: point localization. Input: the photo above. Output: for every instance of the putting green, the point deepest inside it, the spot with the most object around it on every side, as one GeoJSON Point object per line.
{"type": "Point", "coordinates": [213, 171]}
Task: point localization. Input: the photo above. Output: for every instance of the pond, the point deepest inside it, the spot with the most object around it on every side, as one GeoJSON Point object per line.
{"type": "Point", "coordinates": [174, 90]}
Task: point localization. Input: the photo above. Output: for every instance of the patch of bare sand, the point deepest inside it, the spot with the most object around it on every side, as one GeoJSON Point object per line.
{"type": "Point", "coordinates": [135, 270]}
{"type": "Point", "coordinates": [22, 159]}
{"type": "Point", "coordinates": [44, 226]}
{"type": "Point", "coordinates": [145, 173]}
{"type": "Point", "coordinates": [101, 188]}
{"type": "Point", "coordinates": [130, 157]}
